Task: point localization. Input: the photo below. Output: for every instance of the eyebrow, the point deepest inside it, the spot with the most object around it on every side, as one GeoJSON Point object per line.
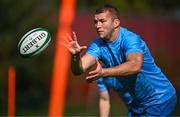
{"type": "Point", "coordinates": [99, 19]}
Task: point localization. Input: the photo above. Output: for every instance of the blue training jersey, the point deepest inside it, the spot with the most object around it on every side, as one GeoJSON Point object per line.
{"type": "Point", "coordinates": [149, 87]}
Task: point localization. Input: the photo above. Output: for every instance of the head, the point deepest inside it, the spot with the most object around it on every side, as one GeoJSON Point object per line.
{"type": "Point", "coordinates": [107, 22]}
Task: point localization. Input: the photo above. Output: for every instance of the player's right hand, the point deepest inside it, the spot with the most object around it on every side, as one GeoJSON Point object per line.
{"type": "Point", "coordinates": [95, 74]}
{"type": "Point", "coordinates": [72, 44]}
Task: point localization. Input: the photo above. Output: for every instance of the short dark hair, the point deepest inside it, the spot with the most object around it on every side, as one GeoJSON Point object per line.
{"type": "Point", "coordinates": [113, 10]}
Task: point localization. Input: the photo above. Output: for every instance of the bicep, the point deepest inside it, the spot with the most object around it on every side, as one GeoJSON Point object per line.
{"type": "Point", "coordinates": [136, 59]}
{"type": "Point", "coordinates": [133, 47]}
{"type": "Point", "coordinates": [135, 56]}
{"type": "Point", "coordinates": [87, 61]}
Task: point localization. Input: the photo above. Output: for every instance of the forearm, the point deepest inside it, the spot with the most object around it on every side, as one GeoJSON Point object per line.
{"type": "Point", "coordinates": [76, 64]}
{"type": "Point", "coordinates": [104, 107]}
{"type": "Point", "coordinates": [80, 64]}
{"type": "Point", "coordinates": [125, 69]}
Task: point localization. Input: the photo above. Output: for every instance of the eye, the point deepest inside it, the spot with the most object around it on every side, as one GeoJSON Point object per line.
{"type": "Point", "coordinates": [95, 21]}
{"type": "Point", "coordinates": [102, 21]}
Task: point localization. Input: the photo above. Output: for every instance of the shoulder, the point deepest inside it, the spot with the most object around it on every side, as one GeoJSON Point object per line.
{"type": "Point", "coordinates": [97, 42]}
{"type": "Point", "coordinates": [94, 48]}
{"type": "Point", "coordinates": [129, 36]}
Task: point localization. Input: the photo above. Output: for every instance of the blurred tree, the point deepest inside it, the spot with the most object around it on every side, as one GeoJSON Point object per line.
{"type": "Point", "coordinates": [140, 7]}
{"type": "Point", "coordinates": [33, 74]}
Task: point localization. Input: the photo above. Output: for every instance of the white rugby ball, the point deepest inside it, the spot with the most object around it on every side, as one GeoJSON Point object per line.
{"type": "Point", "coordinates": [34, 42]}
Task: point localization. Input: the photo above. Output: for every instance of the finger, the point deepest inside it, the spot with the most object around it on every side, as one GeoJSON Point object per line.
{"type": "Point", "coordinates": [98, 63]}
{"type": "Point", "coordinates": [75, 37]}
{"type": "Point", "coordinates": [93, 72]}
{"type": "Point", "coordinates": [92, 76]}
{"type": "Point", "coordinates": [69, 37]}
{"type": "Point", "coordinates": [65, 39]}
{"type": "Point", "coordinates": [62, 43]}
{"type": "Point", "coordinates": [91, 80]}
{"type": "Point", "coordinates": [83, 47]}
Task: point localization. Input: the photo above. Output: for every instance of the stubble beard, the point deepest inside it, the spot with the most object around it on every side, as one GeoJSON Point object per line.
{"type": "Point", "coordinates": [108, 36]}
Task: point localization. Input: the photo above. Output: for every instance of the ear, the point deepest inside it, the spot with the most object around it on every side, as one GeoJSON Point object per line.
{"type": "Point", "coordinates": [116, 23]}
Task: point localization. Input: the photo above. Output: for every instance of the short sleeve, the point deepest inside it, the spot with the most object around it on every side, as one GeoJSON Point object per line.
{"type": "Point", "coordinates": [102, 87]}
{"type": "Point", "coordinates": [132, 43]}
{"type": "Point", "coordinates": [93, 49]}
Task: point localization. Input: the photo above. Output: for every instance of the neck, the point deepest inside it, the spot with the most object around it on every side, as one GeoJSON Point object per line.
{"type": "Point", "coordinates": [113, 36]}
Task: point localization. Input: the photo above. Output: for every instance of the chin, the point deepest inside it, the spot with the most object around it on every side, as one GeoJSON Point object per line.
{"type": "Point", "coordinates": [101, 36]}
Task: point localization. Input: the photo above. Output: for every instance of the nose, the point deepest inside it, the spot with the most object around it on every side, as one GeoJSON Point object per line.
{"type": "Point", "coordinates": [98, 25]}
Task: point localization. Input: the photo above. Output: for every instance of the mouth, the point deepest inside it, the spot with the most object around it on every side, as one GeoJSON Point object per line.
{"type": "Point", "coordinates": [100, 32]}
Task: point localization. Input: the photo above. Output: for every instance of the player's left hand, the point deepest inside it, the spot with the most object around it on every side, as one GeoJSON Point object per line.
{"type": "Point", "coordinates": [95, 74]}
